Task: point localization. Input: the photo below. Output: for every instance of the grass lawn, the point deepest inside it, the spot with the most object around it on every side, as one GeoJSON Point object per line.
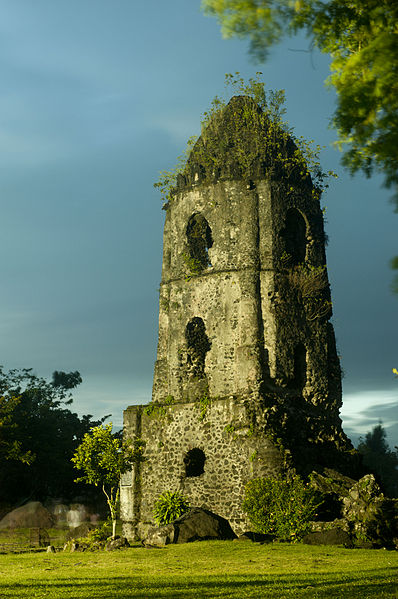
{"type": "Point", "coordinates": [206, 569]}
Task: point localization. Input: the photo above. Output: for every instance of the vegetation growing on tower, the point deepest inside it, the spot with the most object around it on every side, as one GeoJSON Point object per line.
{"type": "Point", "coordinates": [246, 137]}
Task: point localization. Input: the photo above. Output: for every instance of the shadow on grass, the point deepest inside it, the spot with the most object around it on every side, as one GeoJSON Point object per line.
{"type": "Point", "coordinates": [376, 583]}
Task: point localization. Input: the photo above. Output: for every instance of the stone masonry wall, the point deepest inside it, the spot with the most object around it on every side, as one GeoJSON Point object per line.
{"type": "Point", "coordinates": [234, 450]}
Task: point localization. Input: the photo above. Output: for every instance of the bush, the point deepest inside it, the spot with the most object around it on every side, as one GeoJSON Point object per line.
{"type": "Point", "coordinates": [283, 508]}
{"type": "Point", "coordinates": [169, 506]}
{"type": "Point", "coordinates": [94, 540]}
{"type": "Point", "coordinates": [101, 532]}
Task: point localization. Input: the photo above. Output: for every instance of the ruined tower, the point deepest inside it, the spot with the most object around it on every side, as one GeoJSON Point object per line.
{"type": "Point", "coordinates": [247, 380]}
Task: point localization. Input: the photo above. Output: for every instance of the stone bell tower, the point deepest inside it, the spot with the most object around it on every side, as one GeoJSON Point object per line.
{"type": "Point", "coordinates": [247, 380]}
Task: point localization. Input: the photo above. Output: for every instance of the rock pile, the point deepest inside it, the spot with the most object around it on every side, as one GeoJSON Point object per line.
{"type": "Point", "coordinates": [363, 516]}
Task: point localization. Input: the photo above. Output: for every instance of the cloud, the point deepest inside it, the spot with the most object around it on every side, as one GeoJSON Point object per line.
{"type": "Point", "coordinates": [362, 410]}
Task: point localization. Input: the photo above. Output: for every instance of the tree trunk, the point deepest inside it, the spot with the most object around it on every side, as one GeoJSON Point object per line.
{"type": "Point", "coordinates": [112, 502]}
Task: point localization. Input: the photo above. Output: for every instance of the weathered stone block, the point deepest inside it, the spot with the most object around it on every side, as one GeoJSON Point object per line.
{"type": "Point", "coordinates": [117, 543]}
{"type": "Point", "coordinates": [196, 525]}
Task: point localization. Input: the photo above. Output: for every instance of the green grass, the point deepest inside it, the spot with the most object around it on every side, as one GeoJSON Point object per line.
{"type": "Point", "coordinates": [24, 539]}
{"type": "Point", "coordinates": [207, 569]}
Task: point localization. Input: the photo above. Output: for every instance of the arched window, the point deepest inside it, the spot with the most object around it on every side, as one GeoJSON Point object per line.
{"type": "Point", "coordinates": [198, 345]}
{"type": "Point", "coordinates": [194, 461]}
{"type": "Point", "coordinates": [294, 235]}
{"type": "Point", "coordinates": [199, 239]}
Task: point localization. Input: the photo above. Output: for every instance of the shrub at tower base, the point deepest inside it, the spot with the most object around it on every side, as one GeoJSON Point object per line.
{"type": "Point", "coordinates": [169, 506]}
{"type": "Point", "coordinates": [282, 508]}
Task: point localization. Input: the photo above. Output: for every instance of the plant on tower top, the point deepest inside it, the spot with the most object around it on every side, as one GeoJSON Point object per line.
{"type": "Point", "coordinates": [244, 136]}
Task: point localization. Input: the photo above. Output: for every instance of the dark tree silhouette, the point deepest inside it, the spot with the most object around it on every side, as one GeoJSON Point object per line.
{"type": "Point", "coordinates": [42, 428]}
{"type": "Point", "coordinates": [380, 459]}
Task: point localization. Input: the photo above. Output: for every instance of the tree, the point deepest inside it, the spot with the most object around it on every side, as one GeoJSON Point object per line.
{"type": "Point", "coordinates": [11, 448]}
{"type": "Point", "coordinates": [103, 457]}
{"type": "Point", "coordinates": [380, 459]}
{"type": "Point", "coordinates": [38, 435]}
{"type": "Point", "coordinates": [362, 39]}
{"type": "Point", "coordinates": [66, 380]}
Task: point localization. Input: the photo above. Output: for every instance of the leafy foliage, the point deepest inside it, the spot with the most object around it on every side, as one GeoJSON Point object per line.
{"type": "Point", "coordinates": [97, 537]}
{"type": "Point", "coordinates": [246, 132]}
{"type": "Point", "coordinates": [155, 410]}
{"type": "Point", "coordinates": [101, 532]}
{"type": "Point", "coordinates": [204, 405]}
{"type": "Point", "coordinates": [66, 380]}
{"type": "Point", "coordinates": [11, 447]}
{"type": "Point", "coordinates": [169, 506]}
{"type": "Point", "coordinates": [192, 265]}
{"type": "Point", "coordinates": [361, 38]}
{"type": "Point", "coordinates": [283, 508]}
{"type": "Point", "coordinates": [103, 457]}
{"type": "Point", "coordinates": [38, 434]}
{"type": "Point", "coordinates": [380, 459]}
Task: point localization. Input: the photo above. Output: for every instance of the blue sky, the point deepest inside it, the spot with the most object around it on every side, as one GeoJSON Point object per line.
{"type": "Point", "coordinates": [98, 96]}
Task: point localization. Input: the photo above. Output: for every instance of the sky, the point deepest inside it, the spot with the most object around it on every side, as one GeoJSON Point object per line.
{"type": "Point", "coordinates": [97, 97]}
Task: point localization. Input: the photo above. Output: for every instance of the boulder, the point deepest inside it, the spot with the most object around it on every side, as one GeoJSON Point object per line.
{"type": "Point", "coordinates": [117, 543]}
{"type": "Point", "coordinates": [332, 536]}
{"type": "Point", "coordinates": [331, 481]}
{"type": "Point", "coordinates": [198, 524]}
{"type": "Point", "coordinates": [159, 536]}
{"type": "Point", "coordinates": [30, 515]}
{"type": "Point", "coordinates": [321, 526]}
{"type": "Point", "coordinates": [333, 487]}
{"type": "Point", "coordinates": [371, 517]}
